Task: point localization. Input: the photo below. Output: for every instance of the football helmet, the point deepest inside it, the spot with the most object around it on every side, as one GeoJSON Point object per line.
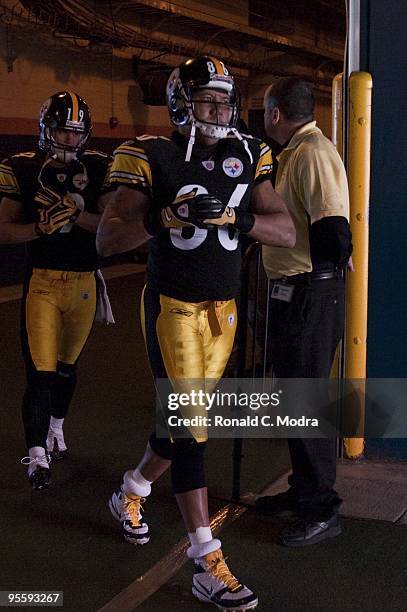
{"type": "Point", "coordinates": [66, 111]}
{"type": "Point", "coordinates": [205, 72]}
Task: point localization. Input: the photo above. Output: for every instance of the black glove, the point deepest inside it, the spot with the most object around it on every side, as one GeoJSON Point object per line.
{"type": "Point", "coordinates": [192, 209]}
{"type": "Point", "coordinates": [54, 211]}
{"type": "Point", "coordinates": [187, 210]}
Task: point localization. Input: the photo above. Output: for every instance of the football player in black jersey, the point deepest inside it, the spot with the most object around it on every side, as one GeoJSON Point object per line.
{"type": "Point", "coordinates": [51, 199]}
{"type": "Point", "coordinates": [192, 195]}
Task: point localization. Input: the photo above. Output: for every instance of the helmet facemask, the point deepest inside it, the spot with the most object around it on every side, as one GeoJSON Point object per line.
{"type": "Point", "coordinates": [63, 152]}
{"type": "Point", "coordinates": [215, 128]}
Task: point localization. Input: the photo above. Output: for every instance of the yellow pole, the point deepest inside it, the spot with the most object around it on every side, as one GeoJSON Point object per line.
{"type": "Point", "coordinates": [337, 140]}
{"type": "Point", "coordinates": [337, 116]}
{"type": "Point", "coordinates": [360, 102]}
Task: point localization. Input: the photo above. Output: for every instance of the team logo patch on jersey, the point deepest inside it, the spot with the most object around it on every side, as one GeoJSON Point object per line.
{"type": "Point", "coordinates": [208, 164]}
{"type": "Point", "coordinates": [232, 167]}
{"type": "Point", "coordinates": [61, 178]}
{"type": "Point", "coordinates": [80, 181]}
{"type": "Point", "coordinates": [85, 295]}
{"type": "Point", "coordinates": [231, 319]}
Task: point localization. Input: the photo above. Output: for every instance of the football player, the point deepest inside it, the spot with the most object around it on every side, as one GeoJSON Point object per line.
{"type": "Point", "coordinates": [51, 199]}
{"type": "Point", "coordinates": [192, 195]}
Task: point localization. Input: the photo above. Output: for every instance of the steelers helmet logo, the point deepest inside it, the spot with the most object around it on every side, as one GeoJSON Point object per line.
{"type": "Point", "coordinates": [233, 167]}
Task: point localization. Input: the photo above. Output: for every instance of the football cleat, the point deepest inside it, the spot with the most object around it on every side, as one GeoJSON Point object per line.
{"type": "Point", "coordinates": [128, 510]}
{"type": "Point", "coordinates": [213, 582]}
{"type": "Point", "coordinates": [40, 478]}
{"type": "Point", "coordinates": [56, 446]}
{"type": "Point", "coordinates": [38, 470]}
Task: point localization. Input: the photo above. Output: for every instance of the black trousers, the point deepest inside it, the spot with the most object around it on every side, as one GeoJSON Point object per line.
{"type": "Point", "coordinates": [304, 334]}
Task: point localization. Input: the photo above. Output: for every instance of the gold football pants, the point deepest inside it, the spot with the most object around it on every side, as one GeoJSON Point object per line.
{"type": "Point", "coordinates": [195, 342]}
{"type": "Point", "coordinates": [59, 312]}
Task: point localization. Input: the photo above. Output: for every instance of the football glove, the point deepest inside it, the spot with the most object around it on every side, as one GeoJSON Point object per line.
{"type": "Point", "coordinates": [241, 220]}
{"type": "Point", "coordinates": [54, 211]}
{"type": "Point", "coordinates": [192, 209]}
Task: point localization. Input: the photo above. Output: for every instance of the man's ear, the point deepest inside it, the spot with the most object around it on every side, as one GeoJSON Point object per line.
{"type": "Point", "coordinates": [275, 116]}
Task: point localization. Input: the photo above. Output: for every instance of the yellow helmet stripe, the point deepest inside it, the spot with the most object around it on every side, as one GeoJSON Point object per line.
{"type": "Point", "coordinates": [218, 66]}
{"type": "Point", "coordinates": [75, 106]}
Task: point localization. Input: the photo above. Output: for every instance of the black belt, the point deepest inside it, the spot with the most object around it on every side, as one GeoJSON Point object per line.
{"type": "Point", "coordinates": [308, 277]}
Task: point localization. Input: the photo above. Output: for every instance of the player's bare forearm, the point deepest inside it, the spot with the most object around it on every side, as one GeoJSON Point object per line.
{"type": "Point", "coordinates": [88, 221]}
{"type": "Point", "coordinates": [17, 233]}
{"type": "Point", "coordinates": [13, 230]}
{"type": "Point", "coordinates": [273, 223]}
{"type": "Point", "coordinates": [121, 227]}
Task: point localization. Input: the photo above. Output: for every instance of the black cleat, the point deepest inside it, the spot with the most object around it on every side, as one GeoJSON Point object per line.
{"type": "Point", "coordinates": [40, 478]}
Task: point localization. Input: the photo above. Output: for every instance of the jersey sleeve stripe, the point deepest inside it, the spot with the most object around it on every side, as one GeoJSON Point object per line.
{"type": "Point", "coordinates": [265, 163]}
{"type": "Point", "coordinates": [132, 152]}
{"type": "Point", "coordinates": [131, 165]}
{"type": "Point", "coordinates": [129, 175]}
{"type": "Point", "coordinates": [8, 181]}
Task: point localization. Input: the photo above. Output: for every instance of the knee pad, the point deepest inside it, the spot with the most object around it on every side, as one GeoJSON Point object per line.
{"type": "Point", "coordinates": [187, 468]}
{"type": "Point", "coordinates": [66, 370]}
{"type": "Point", "coordinates": [163, 447]}
{"type": "Point", "coordinates": [40, 381]}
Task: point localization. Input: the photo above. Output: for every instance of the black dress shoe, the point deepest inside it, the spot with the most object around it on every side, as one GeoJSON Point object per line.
{"type": "Point", "coordinates": [307, 532]}
{"type": "Point", "coordinates": [283, 505]}
{"type": "Point", "coordinates": [40, 479]}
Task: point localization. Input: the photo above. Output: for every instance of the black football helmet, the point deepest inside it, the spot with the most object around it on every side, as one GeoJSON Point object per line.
{"type": "Point", "coordinates": [67, 111]}
{"type": "Point", "coordinates": [202, 72]}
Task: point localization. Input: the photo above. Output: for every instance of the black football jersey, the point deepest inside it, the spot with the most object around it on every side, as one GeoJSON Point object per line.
{"type": "Point", "coordinates": [23, 175]}
{"type": "Point", "coordinates": [193, 264]}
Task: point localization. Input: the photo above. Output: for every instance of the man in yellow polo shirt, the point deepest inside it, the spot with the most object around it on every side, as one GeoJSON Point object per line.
{"type": "Point", "coordinates": [307, 291]}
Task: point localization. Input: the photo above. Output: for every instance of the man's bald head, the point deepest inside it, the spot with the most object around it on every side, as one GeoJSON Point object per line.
{"type": "Point", "coordinates": [293, 97]}
{"type": "Point", "coordinates": [288, 104]}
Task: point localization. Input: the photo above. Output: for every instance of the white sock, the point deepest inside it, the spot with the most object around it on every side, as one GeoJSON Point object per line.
{"type": "Point", "coordinates": [134, 482]}
{"type": "Point", "coordinates": [56, 424]}
{"type": "Point", "coordinates": [202, 543]}
{"type": "Point", "coordinates": [38, 453]}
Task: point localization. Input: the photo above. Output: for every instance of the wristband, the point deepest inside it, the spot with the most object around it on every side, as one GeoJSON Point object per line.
{"type": "Point", "coordinates": [244, 220]}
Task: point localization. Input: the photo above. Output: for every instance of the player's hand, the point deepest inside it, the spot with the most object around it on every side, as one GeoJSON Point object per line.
{"type": "Point", "coordinates": [179, 212]}
{"type": "Point", "coordinates": [54, 211]}
{"type": "Point", "coordinates": [228, 217]}
{"type": "Point", "coordinates": [191, 209]}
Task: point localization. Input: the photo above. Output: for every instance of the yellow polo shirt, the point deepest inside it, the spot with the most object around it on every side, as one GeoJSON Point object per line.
{"type": "Point", "coordinates": [312, 181]}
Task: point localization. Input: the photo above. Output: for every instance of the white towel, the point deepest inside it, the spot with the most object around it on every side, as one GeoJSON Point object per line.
{"type": "Point", "coordinates": [104, 312]}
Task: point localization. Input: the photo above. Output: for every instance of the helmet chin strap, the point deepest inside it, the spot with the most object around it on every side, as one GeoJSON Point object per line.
{"type": "Point", "coordinates": [191, 141]}
{"type": "Point", "coordinates": [215, 131]}
{"type": "Point", "coordinates": [64, 156]}
{"type": "Point", "coordinates": [244, 142]}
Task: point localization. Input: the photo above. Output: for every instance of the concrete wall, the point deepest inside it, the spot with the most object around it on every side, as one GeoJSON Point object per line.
{"type": "Point", "coordinates": [39, 71]}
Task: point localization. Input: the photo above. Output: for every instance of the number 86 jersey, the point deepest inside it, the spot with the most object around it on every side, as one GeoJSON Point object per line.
{"type": "Point", "coordinates": [193, 264]}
